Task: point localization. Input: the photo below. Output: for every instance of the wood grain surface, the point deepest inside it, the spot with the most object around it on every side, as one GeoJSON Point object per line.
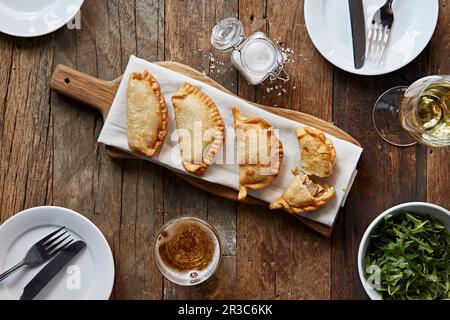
{"type": "Point", "coordinates": [49, 155]}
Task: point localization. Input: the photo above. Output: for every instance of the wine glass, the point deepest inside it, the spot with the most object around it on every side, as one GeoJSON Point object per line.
{"type": "Point", "coordinates": [420, 113]}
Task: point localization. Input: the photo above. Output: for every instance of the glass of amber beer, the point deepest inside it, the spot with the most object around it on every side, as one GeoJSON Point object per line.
{"type": "Point", "coordinates": [187, 251]}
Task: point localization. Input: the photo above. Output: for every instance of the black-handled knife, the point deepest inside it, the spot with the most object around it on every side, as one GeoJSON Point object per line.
{"type": "Point", "coordinates": [47, 273]}
{"type": "Point", "coordinates": [358, 32]}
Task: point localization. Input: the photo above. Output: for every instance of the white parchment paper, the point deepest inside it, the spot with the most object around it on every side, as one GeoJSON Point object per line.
{"type": "Point", "coordinates": [114, 134]}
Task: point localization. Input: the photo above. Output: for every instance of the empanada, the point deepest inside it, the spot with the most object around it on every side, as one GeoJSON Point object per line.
{"type": "Point", "coordinates": [303, 195]}
{"type": "Point", "coordinates": [317, 152]}
{"type": "Point", "coordinates": [200, 128]}
{"type": "Point", "coordinates": [146, 114]}
{"type": "Point", "coordinates": [259, 152]}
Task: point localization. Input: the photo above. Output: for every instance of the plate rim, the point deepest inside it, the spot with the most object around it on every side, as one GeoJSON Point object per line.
{"type": "Point", "coordinates": [306, 10]}
{"type": "Point", "coordinates": [85, 219]}
{"type": "Point", "coordinates": [50, 30]}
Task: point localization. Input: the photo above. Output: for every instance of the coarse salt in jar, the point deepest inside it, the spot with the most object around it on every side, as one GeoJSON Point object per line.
{"type": "Point", "coordinates": [256, 57]}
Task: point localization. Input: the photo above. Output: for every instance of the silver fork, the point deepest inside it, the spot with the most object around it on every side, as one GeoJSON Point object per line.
{"type": "Point", "coordinates": [41, 251]}
{"type": "Point", "coordinates": [379, 32]}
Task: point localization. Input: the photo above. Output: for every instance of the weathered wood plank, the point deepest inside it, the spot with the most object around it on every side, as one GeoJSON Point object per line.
{"type": "Point", "coordinates": [304, 255]}
{"type": "Point", "coordinates": [26, 147]}
{"type": "Point", "coordinates": [438, 177]}
{"type": "Point", "coordinates": [150, 29]}
{"type": "Point", "coordinates": [6, 70]}
{"type": "Point", "coordinates": [142, 182]}
{"type": "Point", "coordinates": [438, 160]}
{"type": "Point", "coordinates": [193, 48]}
{"type": "Point", "coordinates": [256, 274]}
{"type": "Point", "coordinates": [6, 51]}
{"type": "Point", "coordinates": [407, 174]}
{"type": "Point", "coordinates": [255, 265]}
{"type": "Point", "coordinates": [85, 179]}
{"type": "Point", "coordinates": [138, 193]}
{"type": "Point", "coordinates": [136, 196]}
{"type": "Point", "coordinates": [104, 21]}
{"type": "Point", "coordinates": [387, 174]}
{"type": "Point", "coordinates": [310, 87]}
{"type": "Point", "coordinates": [275, 251]}
{"type": "Point", "coordinates": [221, 212]}
{"type": "Point", "coordinates": [141, 218]}
{"type": "Point", "coordinates": [216, 287]}
{"type": "Point", "coordinates": [74, 140]}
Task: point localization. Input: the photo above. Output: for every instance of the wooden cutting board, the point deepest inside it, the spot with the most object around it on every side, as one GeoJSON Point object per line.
{"type": "Point", "coordinates": [99, 95]}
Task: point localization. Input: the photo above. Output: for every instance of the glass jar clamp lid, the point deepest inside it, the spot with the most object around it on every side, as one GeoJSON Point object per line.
{"type": "Point", "coordinates": [256, 56]}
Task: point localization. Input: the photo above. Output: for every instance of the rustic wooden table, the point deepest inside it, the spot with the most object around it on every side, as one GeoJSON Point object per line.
{"type": "Point", "coordinates": [49, 154]}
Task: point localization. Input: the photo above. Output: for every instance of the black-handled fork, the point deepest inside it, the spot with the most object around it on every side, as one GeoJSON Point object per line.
{"type": "Point", "coordinates": [42, 251]}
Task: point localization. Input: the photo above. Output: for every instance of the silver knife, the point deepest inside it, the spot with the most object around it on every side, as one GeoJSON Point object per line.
{"type": "Point", "coordinates": [47, 273]}
{"type": "Point", "coordinates": [358, 31]}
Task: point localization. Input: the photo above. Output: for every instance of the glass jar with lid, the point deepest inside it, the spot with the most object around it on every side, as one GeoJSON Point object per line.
{"type": "Point", "coordinates": [256, 57]}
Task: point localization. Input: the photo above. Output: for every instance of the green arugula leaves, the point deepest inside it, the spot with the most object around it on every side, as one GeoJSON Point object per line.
{"type": "Point", "coordinates": [411, 254]}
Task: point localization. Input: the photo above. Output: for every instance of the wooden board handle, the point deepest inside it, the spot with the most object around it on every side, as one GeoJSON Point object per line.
{"type": "Point", "coordinates": [84, 88]}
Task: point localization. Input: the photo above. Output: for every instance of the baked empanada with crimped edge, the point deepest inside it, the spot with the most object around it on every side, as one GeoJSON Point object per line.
{"type": "Point", "coordinates": [302, 195]}
{"type": "Point", "coordinates": [317, 153]}
{"type": "Point", "coordinates": [253, 172]}
{"type": "Point", "coordinates": [199, 124]}
{"type": "Point", "coordinates": [147, 114]}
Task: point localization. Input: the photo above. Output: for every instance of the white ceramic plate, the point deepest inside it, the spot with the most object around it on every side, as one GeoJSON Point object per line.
{"type": "Point", "coordinates": [94, 264]}
{"type": "Point", "coordinates": [328, 25]}
{"type": "Point", "coordinates": [32, 18]}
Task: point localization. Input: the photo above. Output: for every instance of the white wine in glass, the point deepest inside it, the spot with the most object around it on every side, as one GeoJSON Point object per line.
{"type": "Point", "coordinates": [419, 113]}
